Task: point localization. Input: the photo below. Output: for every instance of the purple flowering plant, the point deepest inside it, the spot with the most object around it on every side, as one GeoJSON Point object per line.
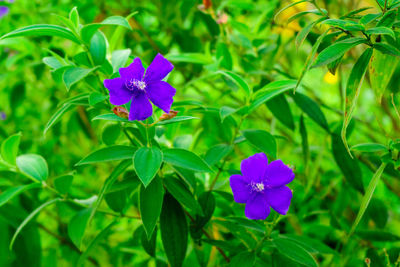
{"type": "Point", "coordinates": [140, 165]}
{"type": "Point", "coordinates": [142, 87]}
{"type": "Point", "coordinates": [262, 186]}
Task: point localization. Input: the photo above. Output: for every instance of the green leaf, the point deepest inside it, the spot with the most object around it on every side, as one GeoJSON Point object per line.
{"type": "Point", "coordinates": [388, 19]}
{"type": "Point", "coordinates": [368, 18]}
{"type": "Point", "coordinates": [207, 203]}
{"type": "Point", "coordinates": [381, 30]}
{"type": "Point", "coordinates": [81, 99]}
{"type": "Point", "coordinates": [217, 153]}
{"type": "Point", "coordinates": [10, 147]}
{"type": "Point", "coordinates": [337, 50]}
{"type": "Point", "coordinates": [174, 231]}
{"type": "Point", "coordinates": [185, 159]}
{"type": "Point", "coordinates": [96, 97]}
{"type": "Point", "coordinates": [63, 183]}
{"type": "Point", "coordinates": [244, 258]}
{"type": "Point", "coordinates": [98, 48]}
{"type": "Point", "coordinates": [294, 252]}
{"type": "Point", "coordinates": [289, 6]}
{"type": "Point", "coordinates": [110, 153]}
{"type": "Point", "coordinates": [367, 197]}
{"type": "Point", "coordinates": [52, 62]}
{"type": "Point", "coordinates": [30, 217]}
{"type": "Point", "coordinates": [298, 15]}
{"type": "Point", "coordinates": [369, 147]}
{"type": "Point", "coordinates": [377, 235]}
{"type": "Point", "coordinates": [175, 120]}
{"type": "Point", "coordinates": [77, 226]}
{"type": "Point", "coordinates": [381, 70]}
{"type": "Point", "coordinates": [34, 166]}
{"type": "Point", "coordinates": [109, 183]}
{"type": "Point", "coordinates": [303, 33]}
{"type": "Point", "coordinates": [225, 112]}
{"type": "Point", "coordinates": [311, 108]}
{"type": "Point", "coordinates": [95, 242]}
{"type": "Point", "coordinates": [88, 30]}
{"type": "Point", "coordinates": [181, 193]}
{"type": "Point", "coordinates": [12, 192]}
{"type": "Point", "coordinates": [119, 58]}
{"type": "Point", "coordinates": [310, 244]}
{"type": "Point", "coordinates": [147, 161]}
{"type": "Point", "coordinates": [310, 59]}
{"type": "Point", "coordinates": [224, 56]}
{"type": "Point", "coordinates": [57, 116]}
{"type": "Point", "coordinates": [74, 75]}
{"type": "Point", "coordinates": [349, 167]}
{"type": "Point", "coordinates": [116, 200]}
{"type": "Point", "coordinates": [354, 13]}
{"type": "Point", "coordinates": [74, 17]}
{"type": "Point", "coordinates": [304, 140]}
{"type": "Point", "coordinates": [387, 49]}
{"type": "Point", "coordinates": [110, 134]}
{"type": "Point", "coordinates": [239, 81]}
{"type": "Point", "coordinates": [281, 110]}
{"type": "Point", "coordinates": [353, 89]}
{"type": "Point", "coordinates": [149, 244]}
{"type": "Point", "coordinates": [270, 91]}
{"type": "Point", "coordinates": [262, 140]}
{"type": "Point", "coordinates": [195, 58]}
{"type": "Point", "coordinates": [150, 204]}
{"type": "Point", "coordinates": [347, 25]}
{"type": "Point", "coordinates": [111, 117]}
{"type": "Point", "coordinates": [42, 30]}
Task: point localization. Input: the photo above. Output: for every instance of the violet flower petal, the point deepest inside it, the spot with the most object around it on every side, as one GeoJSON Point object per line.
{"type": "Point", "coordinates": [278, 174]}
{"type": "Point", "coordinates": [158, 69]}
{"type": "Point", "coordinates": [279, 198]}
{"type": "Point", "coordinates": [119, 95]}
{"type": "Point", "coordinates": [257, 207]}
{"type": "Point", "coordinates": [253, 168]}
{"type": "Point", "coordinates": [4, 11]}
{"type": "Point", "coordinates": [240, 188]}
{"type": "Point", "coordinates": [141, 107]}
{"type": "Point", "coordinates": [134, 71]}
{"type": "Point", "coordinates": [161, 94]}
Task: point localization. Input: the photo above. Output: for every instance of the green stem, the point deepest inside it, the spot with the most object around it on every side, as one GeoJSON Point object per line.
{"type": "Point", "coordinates": [237, 129]}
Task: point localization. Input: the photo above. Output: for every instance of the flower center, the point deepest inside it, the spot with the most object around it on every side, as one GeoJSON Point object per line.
{"type": "Point", "coordinates": [133, 84]}
{"type": "Point", "coordinates": [258, 187]}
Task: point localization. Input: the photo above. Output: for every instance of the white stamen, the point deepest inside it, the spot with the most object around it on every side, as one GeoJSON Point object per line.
{"type": "Point", "coordinates": [133, 83]}
{"type": "Point", "coordinates": [259, 187]}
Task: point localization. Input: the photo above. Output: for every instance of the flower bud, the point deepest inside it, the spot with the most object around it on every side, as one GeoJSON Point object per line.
{"type": "Point", "coordinates": [207, 4]}
{"type": "Point", "coordinates": [168, 116]}
{"type": "Point", "coordinates": [121, 112]}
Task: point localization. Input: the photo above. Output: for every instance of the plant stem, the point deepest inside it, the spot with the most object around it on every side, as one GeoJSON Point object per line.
{"type": "Point", "coordinates": [237, 129]}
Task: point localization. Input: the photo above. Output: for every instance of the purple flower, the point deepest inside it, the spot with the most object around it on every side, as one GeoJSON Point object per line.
{"type": "Point", "coordinates": [3, 11]}
{"type": "Point", "coordinates": [262, 186]}
{"type": "Point", "coordinates": [140, 87]}
{"type": "Point", "coordinates": [3, 115]}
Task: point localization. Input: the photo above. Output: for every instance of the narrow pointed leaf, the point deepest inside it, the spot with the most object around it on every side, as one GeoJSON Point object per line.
{"type": "Point", "coordinates": [353, 89]}
{"type": "Point", "coordinates": [30, 217]}
{"type": "Point", "coordinates": [337, 50]}
{"type": "Point", "coordinates": [150, 204]}
{"type": "Point", "coordinates": [111, 153]}
{"type": "Point", "coordinates": [367, 197]}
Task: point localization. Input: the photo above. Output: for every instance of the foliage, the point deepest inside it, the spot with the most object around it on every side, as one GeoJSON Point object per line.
{"type": "Point", "coordinates": [314, 83]}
